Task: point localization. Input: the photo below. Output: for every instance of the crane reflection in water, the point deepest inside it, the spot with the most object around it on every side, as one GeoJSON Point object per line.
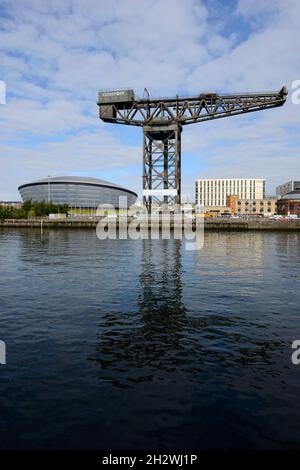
{"type": "Point", "coordinates": [132, 345]}
{"type": "Point", "coordinates": [184, 335]}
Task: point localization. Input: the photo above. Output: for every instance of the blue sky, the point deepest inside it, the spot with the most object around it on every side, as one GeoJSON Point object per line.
{"type": "Point", "coordinates": [56, 55]}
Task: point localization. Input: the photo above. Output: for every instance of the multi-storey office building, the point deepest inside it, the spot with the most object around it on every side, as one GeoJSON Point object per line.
{"type": "Point", "coordinates": [15, 204]}
{"type": "Point", "coordinates": [285, 188]}
{"type": "Point", "coordinates": [213, 192]}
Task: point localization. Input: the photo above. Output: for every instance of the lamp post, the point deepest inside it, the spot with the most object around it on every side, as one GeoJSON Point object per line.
{"type": "Point", "coordinates": [49, 196]}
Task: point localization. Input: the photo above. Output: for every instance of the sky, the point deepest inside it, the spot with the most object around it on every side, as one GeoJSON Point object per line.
{"type": "Point", "coordinates": [55, 56]}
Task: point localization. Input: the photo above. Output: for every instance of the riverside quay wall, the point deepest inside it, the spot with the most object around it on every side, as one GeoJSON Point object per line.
{"type": "Point", "coordinates": [230, 225]}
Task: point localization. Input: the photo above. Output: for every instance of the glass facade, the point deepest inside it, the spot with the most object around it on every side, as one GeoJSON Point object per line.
{"type": "Point", "coordinates": [76, 194]}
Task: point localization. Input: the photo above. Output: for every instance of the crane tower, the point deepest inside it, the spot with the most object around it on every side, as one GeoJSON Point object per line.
{"type": "Point", "coordinates": [162, 120]}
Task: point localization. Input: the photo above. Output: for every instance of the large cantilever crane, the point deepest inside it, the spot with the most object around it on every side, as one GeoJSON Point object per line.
{"type": "Point", "coordinates": [162, 120]}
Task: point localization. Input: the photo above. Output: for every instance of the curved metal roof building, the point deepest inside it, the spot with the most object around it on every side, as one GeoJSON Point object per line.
{"type": "Point", "coordinates": [76, 191]}
{"type": "Point", "coordinates": [292, 195]}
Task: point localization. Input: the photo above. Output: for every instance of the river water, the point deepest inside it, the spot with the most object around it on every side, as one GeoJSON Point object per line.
{"type": "Point", "coordinates": [140, 344]}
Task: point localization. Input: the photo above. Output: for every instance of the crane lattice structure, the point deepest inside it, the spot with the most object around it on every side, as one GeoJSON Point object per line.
{"type": "Point", "coordinates": [162, 120]}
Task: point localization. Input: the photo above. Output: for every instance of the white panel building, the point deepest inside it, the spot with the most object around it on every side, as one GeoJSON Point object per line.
{"type": "Point", "coordinates": [213, 192]}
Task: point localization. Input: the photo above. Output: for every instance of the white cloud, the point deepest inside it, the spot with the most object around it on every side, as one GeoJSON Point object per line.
{"type": "Point", "coordinates": [55, 56]}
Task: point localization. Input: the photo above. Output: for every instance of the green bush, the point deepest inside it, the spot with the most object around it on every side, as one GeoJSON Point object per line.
{"type": "Point", "coordinates": [32, 209]}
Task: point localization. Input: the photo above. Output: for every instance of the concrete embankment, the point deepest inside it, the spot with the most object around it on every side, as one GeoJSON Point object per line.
{"type": "Point", "coordinates": [251, 225]}
{"type": "Point", "coordinates": [217, 224]}
{"type": "Point", "coordinates": [47, 223]}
